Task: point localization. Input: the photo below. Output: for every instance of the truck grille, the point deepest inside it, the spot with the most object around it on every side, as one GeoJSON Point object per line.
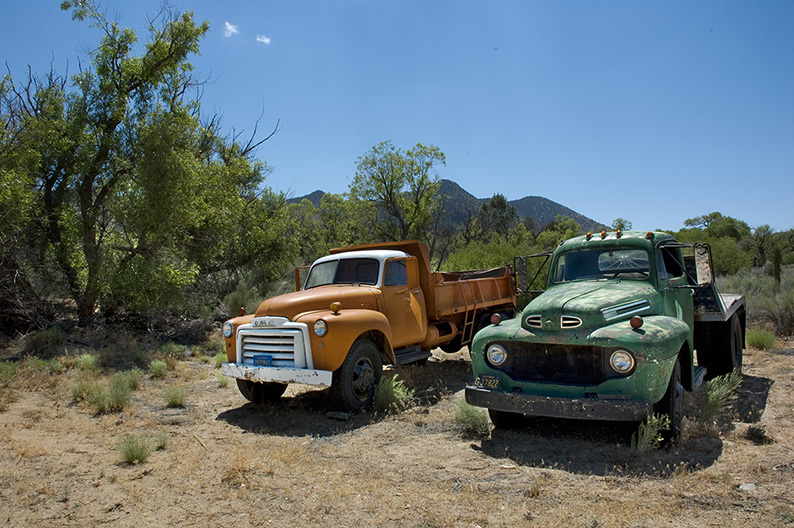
{"type": "Point", "coordinates": [566, 364]}
{"type": "Point", "coordinates": [280, 344]}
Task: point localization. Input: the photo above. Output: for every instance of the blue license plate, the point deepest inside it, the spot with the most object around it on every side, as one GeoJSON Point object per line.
{"type": "Point", "coordinates": [262, 360]}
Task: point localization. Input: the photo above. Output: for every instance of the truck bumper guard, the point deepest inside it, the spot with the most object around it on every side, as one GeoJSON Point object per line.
{"type": "Point", "coordinates": [601, 408]}
{"type": "Point", "coordinates": [278, 374]}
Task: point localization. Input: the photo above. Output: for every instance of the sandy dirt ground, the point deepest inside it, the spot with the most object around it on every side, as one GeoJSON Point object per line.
{"type": "Point", "coordinates": [226, 462]}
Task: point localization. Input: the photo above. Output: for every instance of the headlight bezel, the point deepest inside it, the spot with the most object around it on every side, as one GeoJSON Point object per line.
{"type": "Point", "coordinates": [496, 354]}
{"type": "Point", "coordinates": [320, 328]}
{"type": "Point", "coordinates": [622, 362]}
{"type": "Point", "coordinates": [228, 329]}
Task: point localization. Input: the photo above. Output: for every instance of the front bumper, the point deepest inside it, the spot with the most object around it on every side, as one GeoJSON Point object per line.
{"type": "Point", "coordinates": [600, 408]}
{"type": "Point", "coordinates": [322, 378]}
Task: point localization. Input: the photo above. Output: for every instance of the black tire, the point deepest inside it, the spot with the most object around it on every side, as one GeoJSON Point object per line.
{"type": "Point", "coordinates": [355, 381]}
{"type": "Point", "coordinates": [727, 352]}
{"type": "Point", "coordinates": [505, 419]}
{"type": "Point", "coordinates": [453, 346]}
{"type": "Point", "coordinates": [261, 392]}
{"type": "Point", "coordinates": [736, 344]}
{"type": "Point", "coordinates": [672, 406]}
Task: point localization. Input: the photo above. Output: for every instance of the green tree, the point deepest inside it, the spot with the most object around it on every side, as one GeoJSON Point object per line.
{"type": "Point", "coordinates": [137, 199]}
{"type": "Point", "coordinates": [561, 229]}
{"type": "Point", "coordinates": [621, 224]}
{"type": "Point", "coordinates": [498, 217]}
{"type": "Point", "coordinates": [398, 190]}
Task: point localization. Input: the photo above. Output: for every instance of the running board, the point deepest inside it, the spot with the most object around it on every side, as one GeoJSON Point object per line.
{"type": "Point", "coordinates": [700, 375]}
{"type": "Point", "coordinates": [407, 356]}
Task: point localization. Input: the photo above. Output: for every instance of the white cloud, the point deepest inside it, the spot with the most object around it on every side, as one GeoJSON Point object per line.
{"type": "Point", "coordinates": [264, 39]}
{"type": "Point", "coordinates": [229, 30]}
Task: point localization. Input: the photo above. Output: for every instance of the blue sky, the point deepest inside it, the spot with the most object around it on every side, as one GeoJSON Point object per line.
{"type": "Point", "coordinates": [651, 111]}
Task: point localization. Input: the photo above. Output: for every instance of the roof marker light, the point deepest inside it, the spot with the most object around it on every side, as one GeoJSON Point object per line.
{"type": "Point", "coordinates": [603, 235]}
{"type": "Point", "coordinates": [619, 233]}
{"type": "Point", "coordinates": [649, 235]}
{"type": "Point", "coordinates": [589, 235]}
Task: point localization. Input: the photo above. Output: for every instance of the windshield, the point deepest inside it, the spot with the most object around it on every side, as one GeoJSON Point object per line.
{"type": "Point", "coordinates": [344, 271]}
{"type": "Point", "coordinates": [601, 264]}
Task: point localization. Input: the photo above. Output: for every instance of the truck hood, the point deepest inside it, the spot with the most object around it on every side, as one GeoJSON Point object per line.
{"type": "Point", "coordinates": [593, 303]}
{"type": "Point", "coordinates": [290, 305]}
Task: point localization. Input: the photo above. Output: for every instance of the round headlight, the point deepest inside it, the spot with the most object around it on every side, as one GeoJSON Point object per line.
{"type": "Point", "coordinates": [320, 328]}
{"type": "Point", "coordinates": [496, 355]}
{"type": "Point", "coordinates": [228, 329]}
{"type": "Point", "coordinates": [621, 361]}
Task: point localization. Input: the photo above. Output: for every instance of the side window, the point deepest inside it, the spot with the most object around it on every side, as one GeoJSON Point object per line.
{"type": "Point", "coordinates": [670, 263]}
{"type": "Point", "coordinates": [396, 273]}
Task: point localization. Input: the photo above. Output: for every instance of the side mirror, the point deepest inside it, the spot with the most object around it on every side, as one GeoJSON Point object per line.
{"type": "Point", "coordinates": [703, 266]}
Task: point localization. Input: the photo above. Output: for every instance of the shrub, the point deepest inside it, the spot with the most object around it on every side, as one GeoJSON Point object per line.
{"type": "Point", "coordinates": [204, 359]}
{"type": "Point", "coordinates": [36, 364]}
{"type": "Point", "coordinates": [719, 394]}
{"type": "Point", "coordinates": [132, 378]}
{"type": "Point", "coordinates": [760, 339]}
{"type": "Point", "coordinates": [135, 449]}
{"type": "Point", "coordinates": [757, 435]}
{"type": "Point", "coordinates": [243, 296]}
{"type": "Point", "coordinates": [765, 297]}
{"type": "Point", "coordinates": [158, 368]}
{"type": "Point", "coordinates": [172, 350]}
{"type": "Point", "coordinates": [45, 340]}
{"type": "Point", "coordinates": [392, 393]}
{"type": "Point", "coordinates": [223, 381]}
{"type": "Point", "coordinates": [119, 394]}
{"type": "Point", "coordinates": [175, 396]}
{"type": "Point", "coordinates": [219, 359]}
{"type": "Point", "coordinates": [83, 388]}
{"type": "Point", "coordinates": [473, 419]}
{"type": "Point", "coordinates": [649, 433]}
{"type": "Point", "coordinates": [7, 370]}
{"type": "Point", "coordinates": [161, 442]}
{"type": "Point", "coordinates": [88, 362]}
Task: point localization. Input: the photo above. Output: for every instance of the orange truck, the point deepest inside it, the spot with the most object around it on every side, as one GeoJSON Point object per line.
{"type": "Point", "coordinates": [359, 308]}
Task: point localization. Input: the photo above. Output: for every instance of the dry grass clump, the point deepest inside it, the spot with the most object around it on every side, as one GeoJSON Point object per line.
{"type": "Point", "coordinates": [158, 368]}
{"type": "Point", "coordinates": [649, 433]}
{"type": "Point", "coordinates": [47, 340]}
{"type": "Point", "coordinates": [175, 396]}
{"type": "Point", "coordinates": [110, 398]}
{"type": "Point", "coordinates": [391, 394]}
{"type": "Point", "coordinates": [88, 363]}
{"type": "Point", "coordinates": [761, 339]}
{"type": "Point", "coordinates": [719, 394]}
{"type": "Point", "coordinates": [219, 359]}
{"type": "Point", "coordinates": [135, 449]}
{"type": "Point", "coordinates": [473, 419]}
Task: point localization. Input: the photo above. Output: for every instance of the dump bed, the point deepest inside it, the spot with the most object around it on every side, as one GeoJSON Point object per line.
{"type": "Point", "coordinates": [460, 292]}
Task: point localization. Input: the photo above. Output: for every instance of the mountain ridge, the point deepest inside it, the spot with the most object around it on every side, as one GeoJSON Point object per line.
{"type": "Point", "coordinates": [461, 203]}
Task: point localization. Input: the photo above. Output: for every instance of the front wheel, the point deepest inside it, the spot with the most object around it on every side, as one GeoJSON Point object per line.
{"type": "Point", "coordinates": [672, 406]}
{"type": "Point", "coordinates": [257, 393]}
{"type": "Point", "coordinates": [505, 419]}
{"type": "Point", "coordinates": [355, 381]}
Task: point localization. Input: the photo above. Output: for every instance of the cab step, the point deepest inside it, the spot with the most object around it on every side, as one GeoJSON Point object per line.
{"type": "Point", "coordinates": [406, 356]}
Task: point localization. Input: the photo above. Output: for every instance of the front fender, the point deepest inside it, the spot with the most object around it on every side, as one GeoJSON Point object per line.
{"type": "Point", "coordinates": [344, 328]}
{"type": "Point", "coordinates": [660, 337]}
{"type": "Point", "coordinates": [231, 342]}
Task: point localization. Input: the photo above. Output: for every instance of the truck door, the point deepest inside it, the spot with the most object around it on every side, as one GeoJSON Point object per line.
{"type": "Point", "coordinates": [672, 282]}
{"type": "Point", "coordinates": [404, 301]}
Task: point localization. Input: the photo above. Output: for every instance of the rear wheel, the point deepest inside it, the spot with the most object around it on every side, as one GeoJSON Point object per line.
{"type": "Point", "coordinates": [355, 381]}
{"type": "Point", "coordinates": [260, 392]}
{"type": "Point", "coordinates": [672, 406]}
{"type": "Point", "coordinates": [505, 419]}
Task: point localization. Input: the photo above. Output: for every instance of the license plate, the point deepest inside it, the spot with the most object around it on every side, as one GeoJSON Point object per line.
{"type": "Point", "coordinates": [263, 360]}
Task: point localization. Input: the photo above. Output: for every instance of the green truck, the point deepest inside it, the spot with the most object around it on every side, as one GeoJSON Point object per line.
{"type": "Point", "coordinates": [627, 322]}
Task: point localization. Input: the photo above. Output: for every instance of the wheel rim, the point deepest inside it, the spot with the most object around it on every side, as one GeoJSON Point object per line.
{"type": "Point", "coordinates": [363, 379]}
